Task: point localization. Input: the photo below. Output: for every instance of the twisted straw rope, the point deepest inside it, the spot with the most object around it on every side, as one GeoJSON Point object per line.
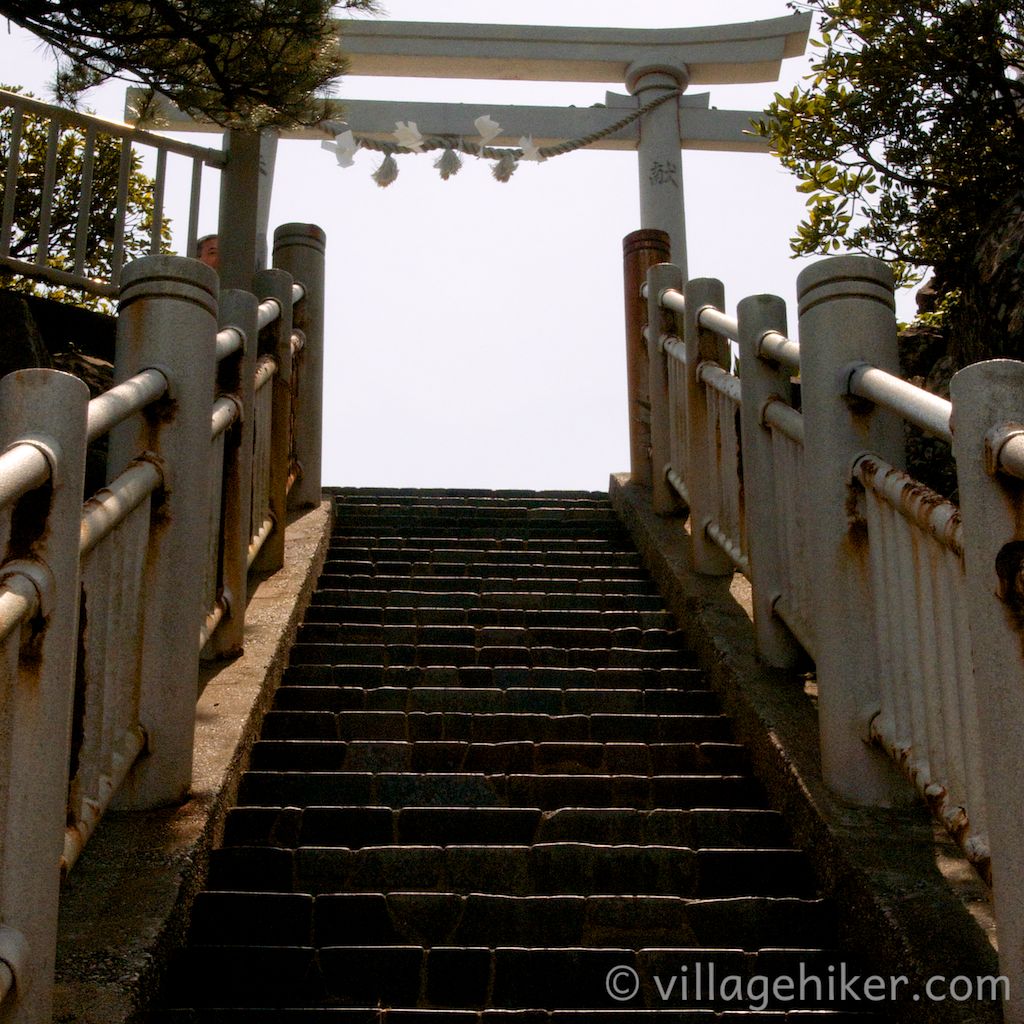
{"type": "Point", "coordinates": [489, 152]}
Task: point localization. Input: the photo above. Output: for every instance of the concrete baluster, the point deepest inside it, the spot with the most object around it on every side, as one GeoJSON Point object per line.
{"type": "Point", "coordinates": [660, 278]}
{"type": "Point", "coordinates": [169, 321]}
{"type": "Point", "coordinates": [763, 382]}
{"type": "Point", "coordinates": [988, 406]}
{"type": "Point", "coordinates": [277, 284]}
{"type": "Point", "coordinates": [237, 378]}
{"type": "Point", "coordinates": [40, 562]}
{"type": "Point", "coordinates": [702, 344]}
{"type": "Point", "coordinates": [641, 250]}
{"type": "Point", "coordinates": [846, 317]}
{"type": "Point", "coordinates": [299, 249]}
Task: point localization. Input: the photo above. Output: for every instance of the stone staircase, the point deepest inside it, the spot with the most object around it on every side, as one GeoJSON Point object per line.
{"type": "Point", "coordinates": [495, 787]}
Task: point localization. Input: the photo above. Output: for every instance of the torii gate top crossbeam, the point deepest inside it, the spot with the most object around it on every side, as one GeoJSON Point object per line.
{"type": "Point", "coordinates": [714, 55]}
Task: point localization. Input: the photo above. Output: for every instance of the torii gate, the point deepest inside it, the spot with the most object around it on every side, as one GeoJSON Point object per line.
{"type": "Point", "coordinates": [649, 62]}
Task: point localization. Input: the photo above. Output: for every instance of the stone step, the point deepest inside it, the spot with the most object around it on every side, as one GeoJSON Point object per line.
{"type": "Point", "coordinates": [480, 617]}
{"type": "Point", "coordinates": [479, 568]}
{"type": "Point", "coordinates": [297, 695]}
{"type": "Point", "coordinates": [390, 654]}
{"type": "Point", "coordinates": [650, 680]}
{"type": "Point", "coordinates": [361, 633]}
{"type": "Point", "coordinates": [568, 868]}
{"type": "Point", "coordinates": [459, 528]}
{"type": "Point", "coordinates": [338, 593]}
{"type": "Point", "coordinates": [433, 555]}
{"type": "Point", "coordinates": [445, 789]}
{"type": "Point", "coordinates": [439, 978]}
{"type": "Point", "coordinates": [434, 919]}
{"type": "Point", "coordinates": [503, 581]}
{"type": "Point", "coordinates": [361, 825]}
{"type": "Point", "coordinates": [384, 1015]}
{"type": "Point", "coordinates": [495, 728]}
{"type": "Point", "coordinates": [504, 757]}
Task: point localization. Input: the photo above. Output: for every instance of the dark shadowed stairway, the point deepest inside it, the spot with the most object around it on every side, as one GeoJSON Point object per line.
{"type": "Point", "coordinates": [495, 787]}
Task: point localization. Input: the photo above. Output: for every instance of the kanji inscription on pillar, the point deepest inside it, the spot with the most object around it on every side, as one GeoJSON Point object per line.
{"type": "Point", "coordinates": [664, 172]}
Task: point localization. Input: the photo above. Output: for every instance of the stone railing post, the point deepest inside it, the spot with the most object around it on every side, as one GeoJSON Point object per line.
{"type": "Point", "coordinates": [846, 318]}
{"type": "Point", "coordinates": [50, 409]}
{"type": "Point", "coordinates": [702, 344]}
{"type": "Point", "coordinates": [299, 249]}
{"type": "Point", "coordinates": [168, 320]}
{"type": "Point", "coordinates": [762, 382]}
{"type": "Point", "coordinates": [988, 407]}
{"type": "Point", "coordinates": [236, 376]}
{"type": "Point", "coordinates": [660, 278]}
{"type": "Point", "coordinates": [277, 284]}
{"type": "Point", "coordinates": [641, 250]}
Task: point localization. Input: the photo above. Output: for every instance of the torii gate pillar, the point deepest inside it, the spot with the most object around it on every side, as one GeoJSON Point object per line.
{"type": "Point", "coordinates": [661, 177]}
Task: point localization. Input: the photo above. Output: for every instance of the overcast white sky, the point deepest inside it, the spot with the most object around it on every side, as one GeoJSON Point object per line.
{"type": "Point", "coordinates": [475, 328]}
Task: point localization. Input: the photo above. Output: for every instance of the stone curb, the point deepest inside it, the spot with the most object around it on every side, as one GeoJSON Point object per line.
{"type": "Point", "coordinates": [909, 902]}
{"type": "Point", "coordinates": [125, 908]}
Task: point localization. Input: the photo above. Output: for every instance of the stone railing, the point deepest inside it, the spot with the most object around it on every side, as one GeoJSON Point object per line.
{"type": "Point", "coordinates": [791, 471]}
{"type": "Point", "coordinates": [213, 433]}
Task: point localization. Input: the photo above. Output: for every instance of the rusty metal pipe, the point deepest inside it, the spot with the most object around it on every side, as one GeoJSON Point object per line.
{"type": "Point", "coordinates": [720, 380]}
{"type": "Point", "coordinates": [106, 411]}
{"type": "Point", "coordinates": [112, 505]}
{"type": "Point", "coordinates": [229, 341]}
{"type": "Point", "coordinates": [23, 468]}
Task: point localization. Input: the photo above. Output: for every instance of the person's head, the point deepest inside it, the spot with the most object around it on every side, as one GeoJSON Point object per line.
{"type": "Point", "coordinates": [208, 251]}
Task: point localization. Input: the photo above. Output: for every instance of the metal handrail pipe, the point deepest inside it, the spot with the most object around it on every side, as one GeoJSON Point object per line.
{"type": "Point", "coordinates": [213, 619]}
{"type": "Point", "coordinates": [780, 349]}
{"type": "Point", "coordinates": [927, 411]}
{"type": "Point", "coordinates": [298, 293]}
{"type": "Point", "coordinates": [1011, 456]}
{"type": "Point", "coordinates": [715, 320]}
{"type": "Point", "coordinates": [23, 468]}
{"type": "Point", "coordinates": [19, 601]}
{"type": "Point", "coordinates": [673, 347]}
{"type": "Point", "coordinates": [672, 299]}
{"type": "Point", "coordinates": [678, 484]}
{"type": "Point", "coordinates": [113, 504]}
{"type": "Point", "coordinates": [918, 504]}
{"type": "Point", "coordinates": [265, 371]}
{"type": "Point", "coordinates": [298, 341]}
{"type": "Point", "coordinates": [782, 417]}
{"type": "Point", "coordinates": [62, 277]}
{"type": "Point", "coordinates": [106, 411]}
{"type": "Point", "coordinates": [267, 312]}
{"type": "Point", "coordinates": [14, 955]}
{"type": "Point", "coordinates": [76, 835]}
{"type": "Point", "coordinates": [229, 341]}
{"type": "Point", "coordinates": [722, 381]}
{"type": "Point", "coordinates": [260, 538]}
{"type": "Point", "coordinates": [729, 546]}
{"type": "Point", "coordinates": [226, 411]}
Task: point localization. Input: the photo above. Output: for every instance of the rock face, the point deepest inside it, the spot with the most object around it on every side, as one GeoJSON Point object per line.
{"type": "Point", "coordinates": [21, 343]}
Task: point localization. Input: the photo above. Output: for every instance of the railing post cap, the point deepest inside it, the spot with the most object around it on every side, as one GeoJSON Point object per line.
{"type": "Point", "coordinates": [169, 276]}
{"type": "Point", "coordinates": [296, 233]}
{"type": "Point", "coordinates": [845, 277]}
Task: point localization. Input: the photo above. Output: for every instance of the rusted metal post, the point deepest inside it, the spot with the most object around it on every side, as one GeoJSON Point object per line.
{"type": "Point", "coordinates": [237, 377]}
{"type": "Point", "coordinates": [299, 249]}
{"type": "Point", "coordinates": [988, 407]}
{"type": "Point", "coordinates": [660, 278]}
{"type": "Point", "coordinates": [641, 250]}
{"type": "Point", "coordinates": [40, 558]}
{"type": "Point", "coordinates": [277, 341]}
{"type": "Point", "coordinates": [168, 320]}
{"type": "Point", "coordinates": [762, 383]}
{"type": "Point", "coordinates": [701, 344]}
{"type": "Point", "coordinates": [846, 319]}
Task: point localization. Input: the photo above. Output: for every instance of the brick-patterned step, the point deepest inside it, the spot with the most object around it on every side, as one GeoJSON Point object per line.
{"type": "Point", "coordinates": [495, 787]}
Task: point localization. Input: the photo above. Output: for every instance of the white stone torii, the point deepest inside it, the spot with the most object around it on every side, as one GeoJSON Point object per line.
{"type": "Point", "coordinates": [650, 62]}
